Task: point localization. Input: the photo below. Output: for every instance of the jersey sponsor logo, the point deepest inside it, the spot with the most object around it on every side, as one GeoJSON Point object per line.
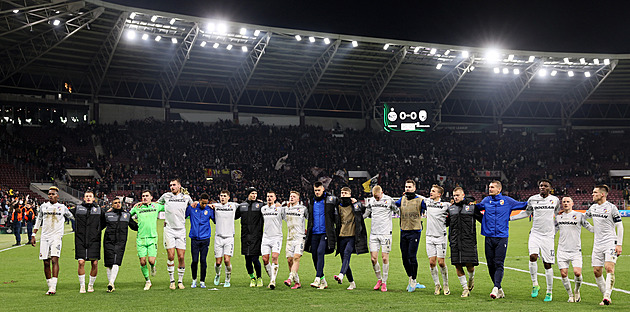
{"type": "Point", "coordinates": [176, 200]}
{"type": "Point", "coordinates": [567, 223]}
{"type": "Point", "coordinates": [501, 202]}
{"type": "Point", "coordinates": [600, 215]}
{"type": "Point", "coordinates": [544, 207]}
{"type": "Point", "coordinates": [55, 213]}
{"type": "Point", "coordinates": [205, 212]}
{"type": "Point", "coordinates": [147, 210]}
{"type": "Point", "coordinates": [274, 213]}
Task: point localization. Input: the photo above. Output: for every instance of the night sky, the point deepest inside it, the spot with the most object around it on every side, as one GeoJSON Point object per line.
{"type": "Point", "coordinates": [559, 26]}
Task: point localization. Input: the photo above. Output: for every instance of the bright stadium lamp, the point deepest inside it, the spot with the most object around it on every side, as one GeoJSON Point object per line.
{"type": "Point", "coordinates": [511, 57]}
{"type": "Point", "coordinates": [256, 33]}
{"type": "Point", "coordinates": [386, 46]}
{"type": "Point", "coordinates": [497, 70]}
{"type": "Point", "coordinates": [433, 51]}
{"type": "Point", "coordinates": [16, 11]}
{"type": "Point", "coordinates": [158, 38]}
{"type": "Point", "coordinates": [203, 44]}
{"type": "Point", "coordinates": [132, 15]}
{"type": "Point", "coordinates": [145, 36]}
{"type": "Point", "coordinates": [554, 73]}
{"type": "Point", "coordinates": [355, 43]}
{"type": "Point", "coordinates": [492, 55]}
{"type": "Point", "coordinates": [174, 40]}
{"type": "Point", "coordinates": [506, 71]}
{"type": "Point", "coordinates": [439, 66]}
{"type": "Point", "coordinates": [465, 54]}
{"type": "Point", "coordinates": [596, 61]}
{"type": "Point", "coordinates": [154, 18]}
{"type": "Point", "coordinates": [326, 41]}
{"type": "Point", "coordinates": [298, 37]}
{"type": "Point", "coordinates": [471, 68]}
{"type": "Point", "coordinates": [56, 22]}
{"type": "Point", "coordinates": [516, 71]}
{"type": "Point", "coordinates": [566, 60]}
{"type": "Point", "coordinates": [532, 58]}
{"type": "Point", "coordinates": [172, 21]}
{"type": "Point", "coordinates": [211, 27]}
{"type": "Point", "coordinates": [215, 45]}
{"type": "Point", "coordinates": [311, 39]}
{"type": "Point", "coordinates": [542, 72]}
{"type": "Point", "coordinates": [416, 50]}
{"type": "Point", "coordinates": [244, 48]}
{"type": "Point", "coordinates": [222, 28]}
{"type": "Point", "coordinates": [583, 61]}
{"type": "Point", "coordinates": [242, 31]}
{"type": "Point", "coordinates": [229, 47]}
{"type": "Point", "coordinates": [606, 62]}
{"type": "Point", "coordinates": [570, 73]}
{"type": "Point", "coordinates": [131, 34]}
{"type": "Point", "coordinates": [447, 52]}
{"type": "Point", "coordinates": [587, 74]}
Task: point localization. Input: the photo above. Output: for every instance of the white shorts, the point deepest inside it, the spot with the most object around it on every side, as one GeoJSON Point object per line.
{"type": "Point", "coordinates": [436, 246]}
{"type": "Point", "coordinates": [223, 246]}
{"type": "Point", "coordinates": [295, 247]}
{"type": "Point", "coordinates": [573, 258]}
{"type": "Point", "coordinates": [49, 248]}
{"type": "Point", "coordinates": [174, 238]}
{"type": "Point", "coordinates": [543, 247]}
{"type": "Point", "coordinates": [271, 244]}
{"type": "Point", "coordinates": [602, 254]}
{"type": "Point", "coordinates": [383, 242]}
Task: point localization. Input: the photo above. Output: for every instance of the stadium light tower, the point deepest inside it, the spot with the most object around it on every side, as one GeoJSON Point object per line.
{"type": "Point", "coordinates": [492, 55]}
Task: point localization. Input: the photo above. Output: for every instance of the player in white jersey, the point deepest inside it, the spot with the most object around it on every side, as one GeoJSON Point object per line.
{"type": "Point", "coordinates": [380, 208]}
{"type": "Point", "coordinates": [224, 215]}
{"type": "Point", "coordinates": [273, 215]}
{"type": "Point", "coordinates": [606, 243]}
{"type": "Point", "coordinates": [175, 203]}
{"type": "Point", "coordinates": [295, 216]}
{"type": "Point", "coordinates": [570, 225]}
{"type": "Point", "coordinates": [542, 207]}
{"type": "Point", "coordinates": [436, 238]}
{"type": "Point", "coordinates": [50, 218]}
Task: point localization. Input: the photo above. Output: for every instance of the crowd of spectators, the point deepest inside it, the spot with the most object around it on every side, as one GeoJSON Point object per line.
{"type": "Point", "coordinates": [147, 153]}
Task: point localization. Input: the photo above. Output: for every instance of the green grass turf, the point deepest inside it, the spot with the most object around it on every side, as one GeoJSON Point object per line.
{"type": "Point", "coordinates": [22, 284]}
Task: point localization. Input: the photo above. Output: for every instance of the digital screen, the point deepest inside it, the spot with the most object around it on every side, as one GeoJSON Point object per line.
{"type": "Point", "coordinates": [407, 117]}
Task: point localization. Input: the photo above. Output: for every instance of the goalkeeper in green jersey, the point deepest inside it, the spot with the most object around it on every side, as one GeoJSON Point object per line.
{"type": "Point", "coordinates": [147, 214]}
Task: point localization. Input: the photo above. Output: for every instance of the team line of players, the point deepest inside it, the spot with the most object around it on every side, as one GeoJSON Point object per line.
{"type": "Point", "coordinates": [548, 213]}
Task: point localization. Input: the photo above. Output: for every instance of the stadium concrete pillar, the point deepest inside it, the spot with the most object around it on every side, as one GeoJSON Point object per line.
{"type": "Point", "coordinates": [20, 55]}
{"type": "Point", "coordinates": [302, 119]}
{"type": "Point", "coordinates": [235, 115]}
{"type": "Point", "coordinates": [96, 113]}
{"type": "Point", "coordinates": [167, 110]}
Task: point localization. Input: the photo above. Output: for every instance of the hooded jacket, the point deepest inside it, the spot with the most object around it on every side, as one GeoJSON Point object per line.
{"type": "Point", "coordinates": [251, 227]}
{"type": "Point", "coordinates": [117, 223]}
{"type": "Point", "coordinates": [90, 221]}
{"type": "Point", "coordinates": [330, 204]}
{"type": "Point", "coordinates": [462, 232]}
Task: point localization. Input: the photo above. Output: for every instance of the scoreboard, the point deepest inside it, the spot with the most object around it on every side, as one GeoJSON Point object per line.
{"type": "Point", "coordinates": [407, 117]}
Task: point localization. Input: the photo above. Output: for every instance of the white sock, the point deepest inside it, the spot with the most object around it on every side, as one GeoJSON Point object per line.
{"type": "Point", "coordinates": [296, 277]}
{"type": "Point", "coordinates": [109, 274]}
{"type": "Point", "coordinates": [578, 283]}
{"type": "Point", "coordinates": [601, 283]}
{"type": "Point", "coordinates": [53, 283]}
{"type": "Point", "coordinates": [444, 271]}
{"type": "Point", "coordinates": [471, 275]}
{"type": "Point", "coordinates": [567, 286]}
{"type": "Point", "coordinates": [463, 282]}
{"type": "Point", "coordinates": [170, 267]}
{"type": "Point", "coordinates": [549, 278]}
{"type": "Point", "coordinates": [92, 280]}
{"type": "Point", "coordinates": [82, 280]}
{"type": "Point", "coordinates": [385, 272]}
{"type": "Point", "coordinates": [274, 271]}
{"type": "Point", "coordinates": [115, 269]}
{"type": "Point", "coordinates": [180, 274]}
{"type": "Point", "coordinates": [533, 272]}
{"type": "Point", "coordinates": [228, 272]}
{"type": "Point", "coordinates": [217, 269]}
{"type": "Point", "coordinates": [268, 269]}
{"type": "Point", "coordinates": [48, 282]}
{"type": "Point", "coordinates": [341, 276]}
{"type": "Point", "coordinates": [435, 276]}
{"type": "Point", "coordinates": [610, 282]}
{"type": "Point", "coordinates": [291, 276]}
{"type": "Point", "coordinates": [377, 270]}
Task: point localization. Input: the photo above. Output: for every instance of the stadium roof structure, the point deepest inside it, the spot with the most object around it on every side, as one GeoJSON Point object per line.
{"type": "Point", "coordinates": [110, 53]}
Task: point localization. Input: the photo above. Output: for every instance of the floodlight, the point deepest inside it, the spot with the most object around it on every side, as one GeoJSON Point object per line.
{"type": "Point", "coordinates": [298, 37]}
{"type": "Point", "coordinates": [158, 38]}
{"type": "Point", "coordinates": [211, 27]}
{"type": "Point", "coordinates": [532, 58]}
{"type": "Point", "coordinates": [596, 61]}
{"type": "Point", "coordinates": [132, 15]}
{"type": "Point", "coordinates": [416, 50]}
{"type": "Point", "coordinates": [505, 71]}
{"type": "Point", "coordinates": [215, 45]}
{"type": "Point", "coordinates": [570, 73]}
{"type": "Point", "coordinates": [145, 36]}
{"type": "Point", "coordinates": [16, 11]}
{"type": "Point", "coordinates": [386, 46]}
{"type": "Point", "coordinates": [243, 31]}
{"type": "Point", "coordinates": [566, 60]}
{"type": "Point", "coordinates": [606, 62]}
{"type": "Point", "coordinates": [256, 33]}
{"type": "Point", "coordinates": [311, 39]}
{"type": "Point", "coordinates": [154, 18]}
{"type": "Point", "coordinates": [131, 34]}
{"type": "Point", "coordinates": [542, 72]}
{"type": "Point", "coordinates": [222, 28]}
{"type": "Point", "coordinates": [172, 21]}
{"type": "Point", "coordinates": [439, 66]}
{"type": "Point", "coordinates": [471, 68]}
{"type": "Point", "coordinates": [203, 44]}
{"type": "Point", "coordinates": [56, 22]}
{"type": "Point", "coordinates": [554, 73]}
{"type": "Point", "coordinates": [497, 70]}
{"type": "Point", "coordinates": [326, 41]}
{"type": "Point", "coordinates": [174, 40]}
{"type": "Point", "coordinates": [433, 51]}
{"type": "Point", "coordinates": [516, 71]}
{"type": "Point", "coordinates": [465, 54]}
{"type": "Point", "coordinates": [355, 44]}
{"type": "Point", "coordinates": [229, 47]}
{"type": "Point", "coordinates": [492, 55]}
{"type": "Point", "coordinates": [587, 74]}
{"type": "Point", "coordinates": [511, 57]}
{"type": "Point", "coordinates": [244, 48]}
{"type": "Point", "coordinates": [447, 52]}
{"type": "Point", "coordinates": [582, 61]}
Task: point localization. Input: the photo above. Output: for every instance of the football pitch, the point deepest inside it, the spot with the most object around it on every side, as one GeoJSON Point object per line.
{"type": "Point", "coordinates": [23, 286]}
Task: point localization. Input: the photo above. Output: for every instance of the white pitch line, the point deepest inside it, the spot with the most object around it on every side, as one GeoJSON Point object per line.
{"type": "Point", "coordinates": [13, 247]}
{"type": "Point", "coordinates": [558, 278]}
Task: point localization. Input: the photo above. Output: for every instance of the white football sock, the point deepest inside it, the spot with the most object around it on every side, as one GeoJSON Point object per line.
{"type": "Point", "coordinates": [549, 278]}
{"type": "Point", "coordinates": [385, 272]}
{"type": "Point", "coordinates": [578, 283]}
{"type": "Point", "coordinates": [82, 280]}
{"type": "Point", "coordinates": [92, 280]}
{"type": "Point", "coordinates": [610, 283]}
{"type": "Point", "coordinates": [601, 283]}
{"type": "Point", "coordinates": [217, 269]}
{"type": "Point", "coordinates": [53, 283]}
{"type": "Point", "coordinates": [444, 271]}
{"type": "Point", "coordinates": [296, 277]}
{"type": "Point", "coordinates": [377, 270]}
{"type": "Point", "coordinates": [533, 272]}
{"type": "Point", "coordinates": [268, 269]}
{"type": "Point", "coordinates": [109, 274]}
{"type": "Point", "coordinates": [471, 275]}
{"type": "Point", "coordinates": [180, 274]}
{"type": "Point", "coordinates": [567, 286]}
{"type": "Point", "coordinates": [463, 281]}
{"type": "Point", "coordinates": [115, 269]}
{"type": "Point", "coordinates": [274, 271]}
{"type": "Point", "coordinates": [228, 272]}
{"type": "Point", "coordinates": [170, 267]}
{"type": "Point", "coordinates": [435, 276]}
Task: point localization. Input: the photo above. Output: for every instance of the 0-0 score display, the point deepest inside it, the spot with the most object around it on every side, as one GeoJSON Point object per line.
{"type": "Point", "coordinates": [407, 117]}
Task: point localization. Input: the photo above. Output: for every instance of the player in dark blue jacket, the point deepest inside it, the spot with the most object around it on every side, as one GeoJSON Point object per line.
{"type": "Point", "coordinates": [495, 227]}
{"type": "Point", "coordinates": [200, 232]}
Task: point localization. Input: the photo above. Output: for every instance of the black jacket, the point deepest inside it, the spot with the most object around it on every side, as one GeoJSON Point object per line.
{"type": "Point", "coordinates": [90, 221]}
{"type": "Point", "coordinates": [117, 222]}
{"type": "Point", "coordinates": [330, 204]}
{"type": "Point", "coordinates": [463, 232]}
{"type": "Point", "coordinates": [251, 227]}
{"type": "Point", "coordinates": [360, 232]}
